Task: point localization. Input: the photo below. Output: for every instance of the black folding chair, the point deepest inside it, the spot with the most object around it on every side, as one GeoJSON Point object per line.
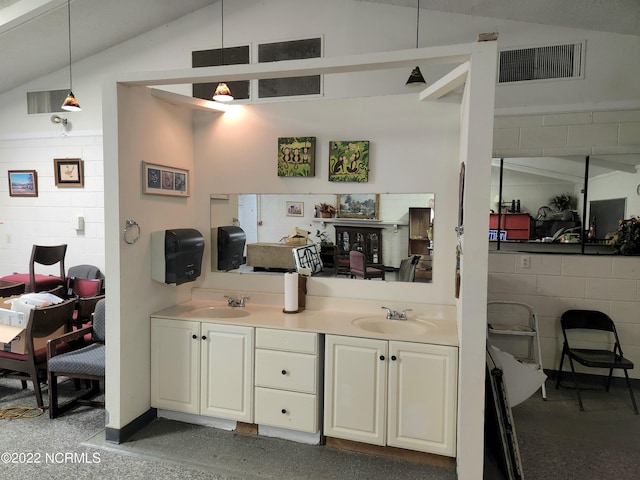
{"type": "Point", "coordinates": [594, 357]}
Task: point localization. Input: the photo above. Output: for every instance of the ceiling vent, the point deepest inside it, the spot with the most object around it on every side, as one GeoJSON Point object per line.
{"type": "Point", "coordinates": [542, 63]}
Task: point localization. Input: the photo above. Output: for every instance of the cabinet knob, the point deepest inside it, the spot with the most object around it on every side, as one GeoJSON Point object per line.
{"type": "Point", "coordinates": [394, 358]}
{"type": "Point", "coordinates": [204, 337]}
{"type": "Point", "coordinates": [284, 372]}
{"type": "Point", "coordinates": [194, 336]}
{"type": "Point", "coordinates": [283, 411]}
{"type": "Point", "coordinates": [381, 357]}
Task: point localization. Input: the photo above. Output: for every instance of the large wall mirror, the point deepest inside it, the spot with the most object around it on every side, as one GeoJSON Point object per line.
{"type": "Point", "coordinates": [392, 232]}
{"type": "Point", "coordinates": [569, 204]}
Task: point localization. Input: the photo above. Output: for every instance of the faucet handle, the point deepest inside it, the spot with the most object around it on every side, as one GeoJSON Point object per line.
{"type": "Point", "coordinates": [242, 300]}
{"type": "Point", "coordinates": [403, 314]}
{"type": "Point", "coordinates": [389, 312]}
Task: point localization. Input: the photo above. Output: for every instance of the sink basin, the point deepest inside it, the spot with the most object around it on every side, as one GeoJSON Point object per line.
{"type": "Point", "coordinates": [219, 312]}
{"type": "Point", "coordinates": [382, 325]}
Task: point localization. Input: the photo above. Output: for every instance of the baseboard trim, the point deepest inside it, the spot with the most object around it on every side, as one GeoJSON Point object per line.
{"type": "Point", "coordinates": [122, 435]}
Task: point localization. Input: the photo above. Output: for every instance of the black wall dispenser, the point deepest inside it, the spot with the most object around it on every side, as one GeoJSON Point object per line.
{"type": "Point", "coordinates": [176, 255]}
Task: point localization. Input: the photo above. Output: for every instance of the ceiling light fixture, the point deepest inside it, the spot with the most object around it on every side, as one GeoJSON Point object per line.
{"type": "Point", "coordinates": [416, 78]}
{"type": "Point", "coordinates": [70, 103]}
{"type": "Point", "coordinates": [222, 93]}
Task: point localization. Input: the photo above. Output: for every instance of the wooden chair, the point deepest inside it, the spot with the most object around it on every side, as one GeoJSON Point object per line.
{"type": "Point", "coordinates": [42, 255]}
{"type": "Point", "coordinates": [43, 322]}
{"type": "Point", "coordinates": [610, 359]}
{"type": "Point", "coordinates": [87, 362]}
{"type": "Point", "coordinates": [359, 268]}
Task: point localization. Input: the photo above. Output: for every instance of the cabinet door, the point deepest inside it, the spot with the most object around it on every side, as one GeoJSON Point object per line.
{"type": "Point", "coordinates": [175, 365]}
{"type": "Point", "coordinates": [227, 372]}
{"type": "Point", "coordinates": [422, 397]}
{"type": "Point", "coordinates": [355, 388]}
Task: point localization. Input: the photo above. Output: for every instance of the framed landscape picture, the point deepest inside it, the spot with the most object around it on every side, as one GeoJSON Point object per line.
{"type": "Point", "coordinates": [68, 172]}
{"type": "Point", "coordinates": [163, 180]}
{"type": "Point", "coordinates": [23, 183]}
{"type": "Point", "coordinates": [297, 156]}
{"type": "Point", "coordinates": [349, 161]}
{"type": "Point", "coordinates": [356, 205]}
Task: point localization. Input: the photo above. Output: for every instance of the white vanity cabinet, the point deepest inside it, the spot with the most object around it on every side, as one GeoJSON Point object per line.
{"type": "Point", "coordinates": [394, 393]}
{"type": "Point", "coordinates": [287, 379]}
{"type": "Point", "coordinates": [202, 368]}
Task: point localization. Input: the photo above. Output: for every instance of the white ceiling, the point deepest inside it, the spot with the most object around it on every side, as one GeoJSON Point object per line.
{"type": "Point", "coordinates": [30, 28]}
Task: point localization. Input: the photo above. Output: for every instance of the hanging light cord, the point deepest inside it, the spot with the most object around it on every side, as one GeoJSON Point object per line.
{"type": "Point", "coordinates": [417, 24]}
{"type": "Point", "coordinates": [69, 26]}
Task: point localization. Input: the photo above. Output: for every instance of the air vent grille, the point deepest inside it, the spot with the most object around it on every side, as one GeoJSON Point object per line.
{"type": "Point", "coordinates": [541, 63]}
{"type": "Point", "coordinates": [48, 101]}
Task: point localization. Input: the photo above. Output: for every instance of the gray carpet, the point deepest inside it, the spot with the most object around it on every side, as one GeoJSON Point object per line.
{"type": "Point", "coordinates": [167, 449]}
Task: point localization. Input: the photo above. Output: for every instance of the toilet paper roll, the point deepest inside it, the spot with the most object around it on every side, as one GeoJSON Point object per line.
{"type": "Point", "coordinates": [291, 292]}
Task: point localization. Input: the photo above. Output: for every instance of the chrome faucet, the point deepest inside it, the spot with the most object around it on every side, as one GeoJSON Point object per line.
{"type": "Point", "coordinates": [395, 315]}
{"type": "Point", "coordinates": [236, 302]}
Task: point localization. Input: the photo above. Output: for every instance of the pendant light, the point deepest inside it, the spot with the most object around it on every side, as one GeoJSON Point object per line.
{"type": "Point", "coordinates": [70, 103]}
{"type": "Point", "coordinates": [416, 78]}
{"type": "Point", "coordinates": [222, 93]}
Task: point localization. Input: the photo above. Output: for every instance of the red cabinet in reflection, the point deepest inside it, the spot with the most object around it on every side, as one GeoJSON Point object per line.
{"type": "Point", "coordinates": [517, 225]}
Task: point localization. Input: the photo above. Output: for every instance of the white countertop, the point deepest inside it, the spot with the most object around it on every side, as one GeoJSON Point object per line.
{"type": "Point", "coordinates": [431, 325]}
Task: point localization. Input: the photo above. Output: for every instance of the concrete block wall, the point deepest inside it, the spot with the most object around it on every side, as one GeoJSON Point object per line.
{"type": "Point", "coordinates": [555, 283]}
{"type": "Point", "coordinates": [580, 133]}
{"type": "Point", "coordinates": [48, 219]}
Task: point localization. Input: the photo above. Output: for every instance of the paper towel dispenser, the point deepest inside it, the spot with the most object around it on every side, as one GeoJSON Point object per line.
{"type": "Point", "coordinates": [176, 255]}
{"type": "Point", "coordinates": [231, 241]}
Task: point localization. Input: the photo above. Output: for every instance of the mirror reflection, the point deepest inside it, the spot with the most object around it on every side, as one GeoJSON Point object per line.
{"type": "Point", "coordinates": [566, 204]}
{"type": "Point", "coordinates": [377, 237]}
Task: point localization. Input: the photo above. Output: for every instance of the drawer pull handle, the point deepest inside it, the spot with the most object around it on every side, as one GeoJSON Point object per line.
{"type": "Point", "coordinates": [204, 337]}
{"type": "Point", "coordinates": [284, 372]}
{"type": "Point", "coordinates": [194, 336]}
{"type": "Point", "coordinates": [394, 358]}
{"type": "Point", "coordinates": [283, 411]}
{"type": "Point", "coordinates": [381, 357]}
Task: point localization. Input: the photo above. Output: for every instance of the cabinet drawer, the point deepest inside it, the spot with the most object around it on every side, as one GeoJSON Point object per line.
{"type": "Point", "coordinates": [286, 370]}
{"type": "Point", "coordinates": [293, 410]}
{"type": "Point", "coordinates": [291, 341]}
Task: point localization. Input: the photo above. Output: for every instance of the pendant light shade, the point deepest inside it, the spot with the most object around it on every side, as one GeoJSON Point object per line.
{"type": "Point", "coordinates": [222, 93]}
{"type": "Point", "coordinates": [70, 103]}
{"type": "Point", "coordinates": [416, 78]}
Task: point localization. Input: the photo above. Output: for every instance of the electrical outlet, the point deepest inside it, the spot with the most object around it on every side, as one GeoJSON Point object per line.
{"type": "Point", "coordinates": [525, 261]}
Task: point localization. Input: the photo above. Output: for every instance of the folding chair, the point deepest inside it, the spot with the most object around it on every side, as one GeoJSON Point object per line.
{"type": "Point", "coordinates": [593, 320]}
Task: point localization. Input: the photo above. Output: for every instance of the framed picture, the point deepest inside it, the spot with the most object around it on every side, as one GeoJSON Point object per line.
{"type": "Point", "coordinates": [23, 183]}
{"type": "Point", "coordinates": [297, 157]}
{"type": "Point", "coordinates": [358, 205]}
{"type": "Point", "coordinates": [68, 172]}
{"type": "Point", "coordinates": [295, 209]}
{"type": "Point", "coordinates": [163, 180]}
{"type": "Point", "coordinates": [349, 161]}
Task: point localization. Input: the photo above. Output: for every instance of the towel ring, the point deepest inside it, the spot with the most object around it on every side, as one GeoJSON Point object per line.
{"type": "Point", "coordinates": [129, 225]}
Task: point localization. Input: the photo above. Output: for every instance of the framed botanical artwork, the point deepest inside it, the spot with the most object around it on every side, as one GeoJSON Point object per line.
{"type": "Point", "coordinates": [349, 161]}
{"type": "Point", "coordinates": [68, 172]}
{"type": "Point", "coordinates": [23, 183]}
{"type": "Point", "coordinates": [297, 156]}
{"type": "Point", "coordinates": [359, 205]}
{"type": "Point", "coordinates": [295, 209]}
{"type": "Point", "coordinates": [163, 180]}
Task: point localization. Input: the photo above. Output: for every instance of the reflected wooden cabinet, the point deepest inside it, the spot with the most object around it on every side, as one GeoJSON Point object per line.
{"type": "Point", "coordinates": [419, 243]}
{"type": "Point", "coordinates": [367, 240]}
